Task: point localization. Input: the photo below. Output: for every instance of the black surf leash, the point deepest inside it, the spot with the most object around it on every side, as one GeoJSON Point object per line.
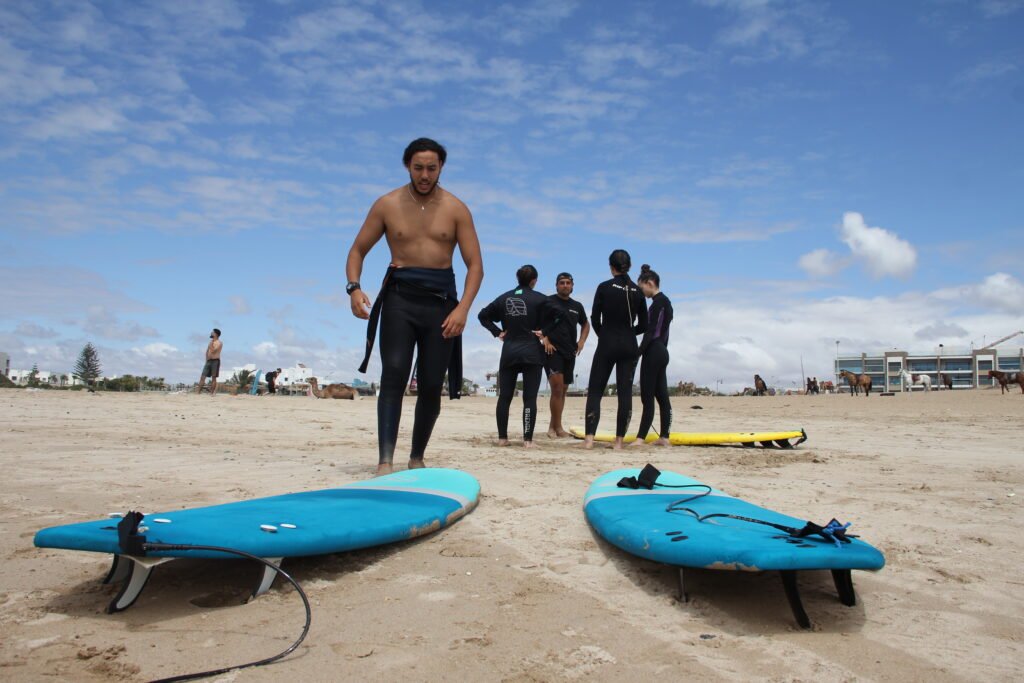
{"type": "Point", "coordinates": [834, 531]}
{"type": "Point", "coordinates": [134, 544]}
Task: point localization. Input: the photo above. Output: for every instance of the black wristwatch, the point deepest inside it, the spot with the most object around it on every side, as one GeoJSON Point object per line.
{"type": "Point", "coordinates": [351, 287]}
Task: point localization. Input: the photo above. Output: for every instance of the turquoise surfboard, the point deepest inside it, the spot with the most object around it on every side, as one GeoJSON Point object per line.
{"type": "Point", "coordinates": [392, 508]}
{"type": "Point", "coordinates": [255, 389]}
{"type": "Point", "coordinates": [639, 522]}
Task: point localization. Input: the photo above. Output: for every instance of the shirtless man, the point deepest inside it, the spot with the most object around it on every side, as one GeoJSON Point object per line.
{"type": "Point", "coordinates": [212, 367]}
{"type": "Point", "coordinates": [563, 348]}
{"type": "Point", "coordinates": [417, 306]}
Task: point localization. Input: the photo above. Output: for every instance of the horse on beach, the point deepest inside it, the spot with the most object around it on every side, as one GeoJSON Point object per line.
{"type": "Point", "coordinates": [1005, 378]}
{"type": "Point", "coordinates": [909, 380]}
{"type": "Point", "coordinates": [760, 387]}
{"type": "Point", "coordinates": [947, 380]}
{"type": "Point", "coordinates": [857, 382]}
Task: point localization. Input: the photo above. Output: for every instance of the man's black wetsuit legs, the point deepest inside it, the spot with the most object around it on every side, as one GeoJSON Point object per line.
{"type": "Point", "coordinates": [507, 389]}
{"type": "Point", "coordinates": [409, 321]}
{"type": "Point", "coordinates": [654, 389]}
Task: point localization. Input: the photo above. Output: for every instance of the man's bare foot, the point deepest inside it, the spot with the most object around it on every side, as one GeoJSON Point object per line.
{"type": "Point", "coordinates": [528, 444]}
{"type": "Point", "coordinates": [562, 433]}
{"type": "Point", "coordinates": [553, 434]}
{"type": "Point", "coordinates": [662, 442]}
{"type": "Point", "coordinates": [384, 468]}
{"type": "Point", "coordinates": [619, 442]}
{"type": "Point", "coordinates": [638, 442]}
{"type": "Point", "coordinates": [416, 464]}
{"type": "Point", "coordinates": [503, 442]}
{"type": "Point", "coordinates": [588, 442]}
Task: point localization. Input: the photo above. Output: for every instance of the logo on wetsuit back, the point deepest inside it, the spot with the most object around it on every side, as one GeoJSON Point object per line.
{"type": "Point", "coordinates": [515, 307]}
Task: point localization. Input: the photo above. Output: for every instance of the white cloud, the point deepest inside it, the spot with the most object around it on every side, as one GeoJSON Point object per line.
{"type": "Point", "coordinates": [821, 263]}
{"type": "Point", "coordinates": [882, 252]}
{"type": "Point", "coordinates": [1000, 8]}
{"type": "Point", "coordinates": [941, 330]}
{"type": "Point", "coordinates": [155, 350]}
{"type": "Point", "coordinates": [1001, 291]}
{"type": "Point", "coordinates": [27, 329]}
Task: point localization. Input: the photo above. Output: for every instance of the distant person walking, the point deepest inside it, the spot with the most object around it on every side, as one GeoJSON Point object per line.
{"type": "Point", "coordinates": [211, 368]}
{"type": "Point", "coordinates": [561, 364]}
{"type": "Point", "coordinates": [654, 355]}
{"type": "Point", "coordinates": [618, 315]}
{"type": "Point", "coordinates": [271, 378]}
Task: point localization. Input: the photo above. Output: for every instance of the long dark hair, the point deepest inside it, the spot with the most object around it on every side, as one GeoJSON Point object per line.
{"type": "Point", "coordinates": [620, 260]}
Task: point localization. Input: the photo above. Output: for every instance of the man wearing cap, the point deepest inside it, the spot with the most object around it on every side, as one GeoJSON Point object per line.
{"type": "Point", "coordinates": [563, 349]}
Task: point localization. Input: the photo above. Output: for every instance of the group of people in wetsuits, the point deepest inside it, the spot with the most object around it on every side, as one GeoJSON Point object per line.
{"type": "Point", "coordinates": [539, 332]}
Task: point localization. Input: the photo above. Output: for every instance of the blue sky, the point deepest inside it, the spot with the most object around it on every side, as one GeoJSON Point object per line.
{"type": "Point", "coordinates": [797, 172]}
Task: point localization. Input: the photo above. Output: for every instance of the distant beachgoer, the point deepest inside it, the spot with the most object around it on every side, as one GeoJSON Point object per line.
{"type": "Point", "coordinates": [417, 307]}
{"type": "Point", "coordinates": [271, 378]}
{"type": "Point", "coordinates": [561, 364]}
{"type": "Point", "coordinates": [619, 314]}
{"type": "Point", "coordinates": [654, 355]}
{"type": "Point", "coordinates": [211, 368]}
{"type": "Point", "coordinates": [523, 313]}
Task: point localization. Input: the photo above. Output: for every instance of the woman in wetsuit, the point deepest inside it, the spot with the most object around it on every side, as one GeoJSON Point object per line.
{"type": "Point", "coordinates": [618, 315]}
{"type": "Point", "coordinates": [522, 312]}
{"type": "Point", "coordinates": [654, 358]}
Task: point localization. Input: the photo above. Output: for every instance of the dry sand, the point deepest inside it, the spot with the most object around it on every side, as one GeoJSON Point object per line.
{"type": "Point", "coordinates": [521, 589]}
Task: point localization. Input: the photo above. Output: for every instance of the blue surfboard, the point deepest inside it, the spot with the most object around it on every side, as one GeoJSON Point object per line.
{"type": "Point", "coordinates": [255, 389]}
{"type": "Point", "coordinates": [640, 522]}
{"type": "Point", "coordinates": [392, 508]}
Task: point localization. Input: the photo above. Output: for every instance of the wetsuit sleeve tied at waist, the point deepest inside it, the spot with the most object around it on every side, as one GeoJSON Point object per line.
{"type": "Point", "coordinates": [437, 281]}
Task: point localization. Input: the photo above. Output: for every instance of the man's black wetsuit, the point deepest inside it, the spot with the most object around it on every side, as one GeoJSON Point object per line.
{"type": "Point", "coordinates": [653, 378]}
{"type": "Point", "coordinates": [417, 302]}
{"type": "Point", "coordinates": [618, 315]}
{"type": "Point", "coordinates": [520, 311]}
{"type": "Point", "coordinates": [563, 337]}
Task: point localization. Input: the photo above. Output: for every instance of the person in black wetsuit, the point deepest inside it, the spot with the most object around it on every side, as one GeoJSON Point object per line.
{"type": "Point", "coordinates": [524, 315]}
{"type": "Point", "coordinates": [271, 378]}
{"type": "Point", "coordinates": [561, 363]}
{"type": "Point", "coordinates": [654, 359]}
{"type": "Point", "coordinates": [618, 315]}
{"type": "Point", "coordinates": [423, 223]}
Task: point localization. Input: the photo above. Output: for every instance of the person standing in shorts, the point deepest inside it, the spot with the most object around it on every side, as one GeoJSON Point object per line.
{"type": "Point", "coordinates": [560, 364]}
{"type": "Point", "coordinates": [211, 368]}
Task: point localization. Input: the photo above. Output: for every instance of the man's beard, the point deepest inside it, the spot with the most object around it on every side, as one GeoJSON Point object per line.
{"type": "Point", "coordinates": [416, 187]}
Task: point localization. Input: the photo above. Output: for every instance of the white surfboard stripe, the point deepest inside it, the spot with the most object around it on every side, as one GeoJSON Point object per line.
{"type": "Point", "coordinates": [461, 500]}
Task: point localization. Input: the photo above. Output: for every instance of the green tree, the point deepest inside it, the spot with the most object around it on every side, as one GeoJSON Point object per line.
{"type": "Point", "coordinates": [33, 376]}
{"type": "Point", "coordinates": [87, 368]}
{"type": "Point", "coordinates": [243, 378]}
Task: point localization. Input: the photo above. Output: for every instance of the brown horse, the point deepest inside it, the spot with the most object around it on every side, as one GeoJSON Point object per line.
{"type": "Point", "coordinates": [1005, 378]}
{"type": "Point", "coordinates": [827, 386]}
{"type": "Point", "coordinates": [857, 382]}
{"type": "Point", "coordinates": [947, 380]}
{"type": "Point", "coordinates": [760, 387]}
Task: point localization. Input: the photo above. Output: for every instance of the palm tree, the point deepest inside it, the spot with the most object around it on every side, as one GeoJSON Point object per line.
{"type": "Point", "coordinates": [243, 378]}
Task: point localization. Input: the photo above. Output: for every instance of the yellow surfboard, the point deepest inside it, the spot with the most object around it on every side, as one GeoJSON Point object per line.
{"type": "Point", "coordinates": [767, 439]}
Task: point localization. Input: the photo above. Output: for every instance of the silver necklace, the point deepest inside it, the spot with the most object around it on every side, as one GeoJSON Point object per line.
{"type": "Point", "coordinates": [434, 195]}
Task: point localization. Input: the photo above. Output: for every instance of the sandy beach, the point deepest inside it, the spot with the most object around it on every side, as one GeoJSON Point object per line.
{"type": "Point", "coordinates": [520, 589]}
